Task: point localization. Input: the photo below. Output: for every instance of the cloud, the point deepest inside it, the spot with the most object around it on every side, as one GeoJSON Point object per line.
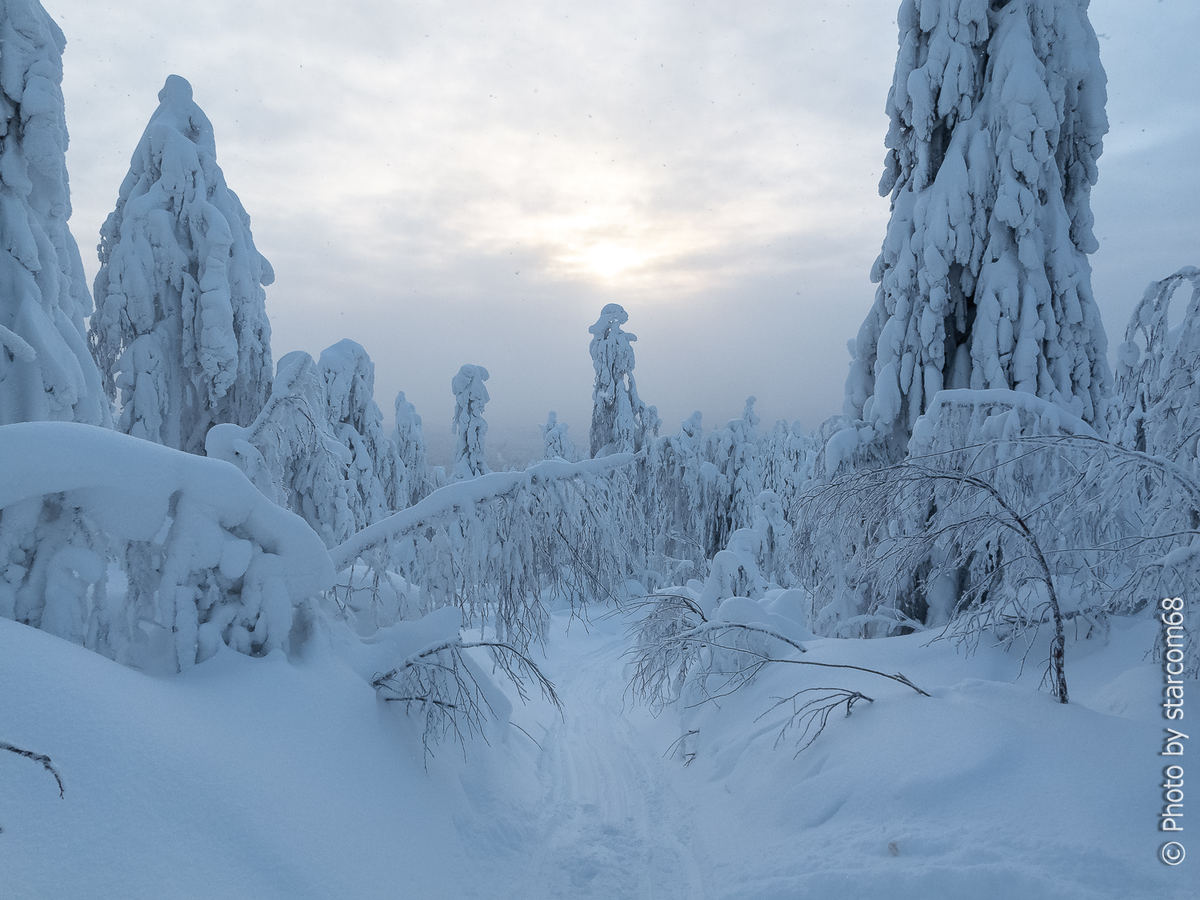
{"type": "Point", "coordinates": [472, 182]}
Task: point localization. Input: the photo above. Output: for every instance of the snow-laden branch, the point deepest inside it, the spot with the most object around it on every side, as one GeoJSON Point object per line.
{"type": "Point", "coordinates": [447, 501]}
{"type": "Point", "coordinates": [494, 545]}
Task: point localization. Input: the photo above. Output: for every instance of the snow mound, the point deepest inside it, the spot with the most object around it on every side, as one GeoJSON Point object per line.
{"type": "Point", "coordinates": [207, 559]}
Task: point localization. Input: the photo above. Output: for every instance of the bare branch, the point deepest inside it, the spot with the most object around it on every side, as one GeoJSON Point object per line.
{"type": "Point", "coordinates": [441, 685]}
{"type": "Point", "coordinates": [38, 758]}
{"type": "Point", "coordinates": [813, 714]}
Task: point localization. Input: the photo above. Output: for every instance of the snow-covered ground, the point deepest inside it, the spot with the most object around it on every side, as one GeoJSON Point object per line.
{"type": "Point", "coordinates": [266, 778]}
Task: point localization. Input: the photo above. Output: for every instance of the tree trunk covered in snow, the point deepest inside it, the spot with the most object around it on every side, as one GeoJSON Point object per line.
{"type": "Point", "coordinates": [997, 117]}
{"type": "Point", "coordinates": [46, 372]}
{"type": "Point", "coordinates": [181, 328]}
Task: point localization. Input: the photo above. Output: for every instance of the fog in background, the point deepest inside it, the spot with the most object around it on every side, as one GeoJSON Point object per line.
{"type": "Point", "coordinates": [472, 182]}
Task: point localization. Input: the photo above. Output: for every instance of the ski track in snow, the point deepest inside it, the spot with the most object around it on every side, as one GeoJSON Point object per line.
{"type": "Point", "coordinates": [609, 823]}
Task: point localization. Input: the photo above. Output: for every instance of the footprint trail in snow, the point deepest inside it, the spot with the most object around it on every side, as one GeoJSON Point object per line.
{"type": "Point", "coordinates": [607, 821]}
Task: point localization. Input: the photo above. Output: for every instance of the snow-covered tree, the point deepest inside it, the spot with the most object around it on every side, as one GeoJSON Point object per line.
{"type": "Point", "coordinates": [997, 115]}
{"type": "Point", "coordinates": [470, 396]}
{"type": "Point", "coordinates": [46, 372]}
{"type": "Point", "coordinates": [498, 545]}
{"type": "Point", "coordinates": [555, 443]}
{"type": "Point", "coordinates": [862, 556]}
{"type": "Point", "coordinates": [789, 458]}
{"type": "Point", "coordinates": [290, 453]}
{"type": "Point", "coordinates": [410, 445]}
{"type": "Point", "coordinates": [356, 421]}
{"type": "Point", "coordinates": [678, 518]}
{"type": "Point", "coordinates": [1157, 408]}
{"type": "Point", "coordinates": [737, 455]}
{"type": "Point", "coordinates": [621, 422]}
{"type": "Point", "coordinates": [180, 329]}
{"type": "Point", "coordinates": [205, 558]}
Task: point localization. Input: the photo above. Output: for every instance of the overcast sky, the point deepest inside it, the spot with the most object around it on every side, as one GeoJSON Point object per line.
{"type": "Point", "coordinates": [470, 182]}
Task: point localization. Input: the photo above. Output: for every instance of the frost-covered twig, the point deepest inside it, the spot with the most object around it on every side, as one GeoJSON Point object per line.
{"type": "Point", "coordinates": [677, 651]}
{"type": "Point", "coordinates": [661, 661]}
{"type": "Point", "coordinates": [813, 714]}
{"type": "Point", "coordinates": [446, 688]}
{"type": "Point", "coordinates": [898, 677]}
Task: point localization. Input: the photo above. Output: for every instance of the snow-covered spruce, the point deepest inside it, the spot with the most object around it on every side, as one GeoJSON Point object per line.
{"type": "Point", "coordinates": [734, 452]}
{"type": "Point", "coordinates": [46, 372]}
{"type": "Point", "coordinates": [706, 487]}
{"type": "Point", "coordinates": [789, 455]}
{"type": "Point", "coordinates": [555, 443]}
{"type": "Point", "coordinates": [682, 479]}
{"type": "Point", "coordinates": [409, 439]}
{"type": "Point", "coordinates": [180, 331]}
{"type": "Point", "coordinates": [206, 557]}
{"type": "Point", "coordinates": [290, 454]}
{"type": "Point", "coordinates": [621, 422]}
{"type": "Point", "coordinates": [470, 429]}
{"type": "Point", "coordinates": [356, 421]}
{"type": "Point", "coordinates": [997, 115]}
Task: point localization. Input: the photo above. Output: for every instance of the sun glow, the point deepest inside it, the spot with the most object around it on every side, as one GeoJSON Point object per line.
{"type": "Point", "coordinates": [610, 260]}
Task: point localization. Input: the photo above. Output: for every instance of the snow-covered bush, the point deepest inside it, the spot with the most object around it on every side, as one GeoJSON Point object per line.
{"type": "Point", "coordinates": [621, 422]}
{"type": "Point", "coordinates": [997, 115]}
{"type": "Point", "coordinates": [691, 652]}
{"type": "Point", "coordinates": [204, 557]}
{"type": "Point", "coordinates": [180, 331]}
{"type": "Point", "coordinates": [1156, 421]}
{"type": "Point", "coordinates": [470, 429]}
{"type": "Point", "coordinates": [1008, 514]}
{"type": "Point", "coordinates": [46, 372]}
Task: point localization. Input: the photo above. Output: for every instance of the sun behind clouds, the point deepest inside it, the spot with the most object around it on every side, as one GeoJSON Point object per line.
{"type": "Point", "coordinates": [609, 260]}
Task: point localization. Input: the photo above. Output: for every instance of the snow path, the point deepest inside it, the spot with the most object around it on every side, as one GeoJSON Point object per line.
{"type": "Point", "coordinates": [608, 821]}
